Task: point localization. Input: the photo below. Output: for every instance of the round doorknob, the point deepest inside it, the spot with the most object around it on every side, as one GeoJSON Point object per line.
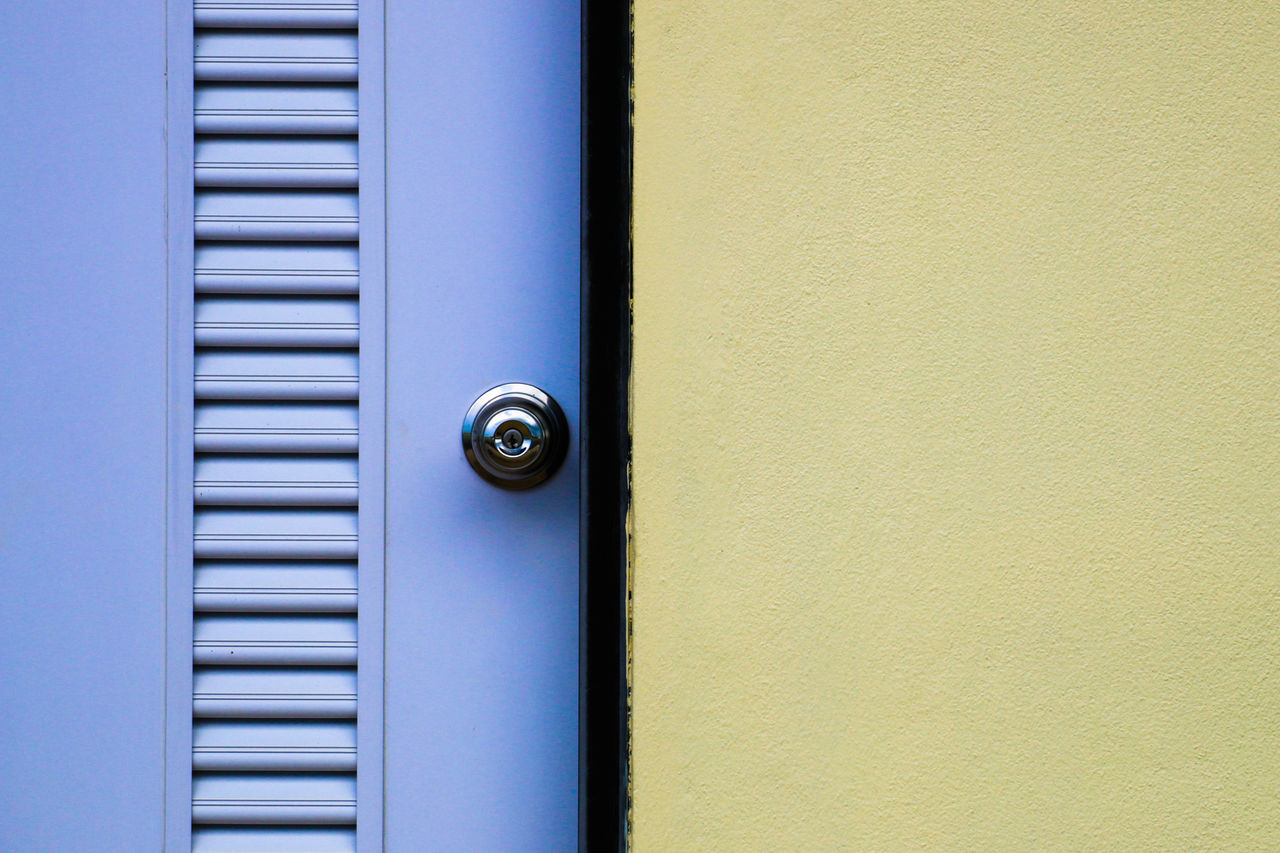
{"type": "Point", "coordinates": [515, 435]}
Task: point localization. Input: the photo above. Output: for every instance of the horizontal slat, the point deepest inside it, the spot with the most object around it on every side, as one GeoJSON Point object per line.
{"type": "Point", "coordinates": [276, 259]}
{"type": "Point", "coordinates": [214, 493]}
{"type": "Point", "coordinates": [254, 734]}
{"type": "Point", "coordinates": [280, 375]}
{"type": "Point", "coordinates": [275, 534]}
{"type": "Point", "coordinates": [231, 692]}
{"type": "Point", "coordinates": [275, 588]}
{"type": "Point", "coordinates": [281, 221]}
{"type": "Point", "coordinates": [274, 653]}
{"type": "Point", "coordinates": [281, 480]}
{"type": "Point", "coordinates": [275, 109]}
{"type": "Point", "coordinates": [273, 681]}
{"type": "Point", "coordinates": [276, 204]}
{"type": "Point", "coordinates": [252, 281]}
{"type": "Point", "coordinates": [280, 746]}
{"type": "Point", "coordinates": [268, 311]}
{"type": "Point", "coordinates": [275, 640]}
{"type": "Point", "coordinates": [273, 840]}
{"type": "Point", "coordinates": [283, 469]}
{"type": "Point", "coordinates": [248, 440]}
{"type": "Point", "coordinates": [311, 229]}
{"type": "Point", "coordinates": [232, 69]}
{"type": "Point", "coordinates": [269, 798]}
{"type": "Point", "coordinates": [285, 162]}
{"type": "Point", "coordinates": [276, 428]}
{"type": "Point", "coordinates": [320, 787]}
{"type": "Point", "coordinates": [273, 813]}
{"type": "Point", "coordinates": [214, 43]}
{"type": "Point", "coordinates": [320, 365]}
{"type": "Point", "coordinates": [275, 56]}
{"type": "Point", "coordinates": [273, 706]}
{"type": "Point", "coordinates": [280, 653]}
{"type": "Point", "coordinates": [286, 151]}
{"type": "Point", "coordinates": [326, 630]}
{"type": "Point", "coordinates": [276, 335]}
{"type": "Point", "coordinates": [276, 122]}
{"type": "Point", "coordinates": [274, 601]}
{"type": "Point", "coordinates": [288, 322]}
{"type": "Point", "coordinates": [275, 388]}
{"type": "Point", "coordinates": [265, 268]}
{"type": "Point", "coordinates": [268, 547]}
{"type": "Point", "coordinates": [274, 759]}
{"type": "Point", "coordinates": [314, 14]}
{"type": "Point", "coordinates": [292, 175]}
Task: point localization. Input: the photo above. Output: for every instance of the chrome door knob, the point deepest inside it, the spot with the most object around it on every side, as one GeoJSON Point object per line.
{"type": "Point", "coordinates": [515, 435]}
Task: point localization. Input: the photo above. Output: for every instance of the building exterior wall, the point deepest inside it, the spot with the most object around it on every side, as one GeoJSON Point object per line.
{"type": "Point", "coordinates": [956, 418]}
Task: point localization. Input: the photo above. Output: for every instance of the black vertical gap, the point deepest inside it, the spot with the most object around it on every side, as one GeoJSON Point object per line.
{"type": "Point", "coordinates": [604, 434]}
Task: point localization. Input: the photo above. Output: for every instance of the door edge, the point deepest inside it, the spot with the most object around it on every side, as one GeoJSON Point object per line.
{"type": "Point", "coordinates": [604, 434]}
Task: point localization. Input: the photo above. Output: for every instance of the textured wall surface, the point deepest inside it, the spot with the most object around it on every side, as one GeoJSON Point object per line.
{"type": "Point", "coordinates": [957, 419]}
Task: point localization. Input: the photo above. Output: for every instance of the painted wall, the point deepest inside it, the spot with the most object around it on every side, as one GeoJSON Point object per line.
{"type": "Point", "coordinates": [957, 426]}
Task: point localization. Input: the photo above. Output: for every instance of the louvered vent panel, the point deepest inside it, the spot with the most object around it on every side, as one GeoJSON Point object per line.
{"type": "Point", "coordinates": [277, 335]}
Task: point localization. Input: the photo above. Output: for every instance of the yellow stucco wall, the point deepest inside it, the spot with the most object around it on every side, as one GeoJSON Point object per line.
{"type": "Point", "coordinates": [957, 418]}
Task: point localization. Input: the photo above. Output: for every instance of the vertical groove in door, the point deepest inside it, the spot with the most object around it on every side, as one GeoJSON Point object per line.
{"type": "Point", "coordinates": [278, 447]}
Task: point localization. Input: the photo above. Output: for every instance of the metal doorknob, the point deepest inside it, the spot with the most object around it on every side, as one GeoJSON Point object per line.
{"type": "Point", "coordinates": [515, 435]}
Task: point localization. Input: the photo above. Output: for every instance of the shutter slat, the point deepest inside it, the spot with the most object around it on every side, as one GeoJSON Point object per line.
{"type": "Point", "coordinates": [273, 840]}
{"type": "Point", "coordinates": [278, 228]}
{"type": "Point", "coordinates": [279, 760]}
{"type": "Point", "coordinates": [271, 56]}
{"type": "Point", "coordinates": [276, 335]}
{"type": "Point", "coordinates": [275, 707]}
{"type": "Point", "coordinates": [275, 388]}
{"type": "Point", "coordinates": [276, 268]}
{"type": "Point", "coordinates": [275, 640]}
{"type": "Point", "coordinates": [317, 283]}
{"type": "Point", "coordinates": [215, 440]}
{"type": "Point", "coordinates": [276, 480]}
{"type": "Point", "coordinates": [264, 109]}
{"type": "Point", "coordinates": [265, 375]}
{"type": "Point", "coordinates": [291, 175]}
{"type": "Point", "coordinates": [259, 746]}
{"type": "Point", "coordinates": [224, 69]}
{"type": "Point", "coordinates": [239, 600]}
{"type": "Point", "coordinates": [284, 693]}
{"type": "Point", "coordinates": [231, 547]}
{"type": "Point", "coordinates": [273, 494]}
{"type": "Point", "coordinates": [275, 654]}
{"type": "Point", "coordinates": [313, 14]}
{"type": "Point", "coordinates": [264, 798]}
{"type": "Point", "coordinates": [250, 813]}
{"type": "Point", "coordinates": [274, 588]}
{"type": "Point", "coordinates": [276, 122]}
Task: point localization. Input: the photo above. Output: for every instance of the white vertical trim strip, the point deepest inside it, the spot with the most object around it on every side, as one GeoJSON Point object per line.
{"type": "Point", "coordinates": [372, 438]}
{"type": "Point", "coordinates": [180, 239]}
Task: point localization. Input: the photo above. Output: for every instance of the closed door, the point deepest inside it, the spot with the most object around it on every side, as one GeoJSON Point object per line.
{"type": "Point", "coordinates": [483, 283]}
{"type": "Point", "coordinates": [260, 260]}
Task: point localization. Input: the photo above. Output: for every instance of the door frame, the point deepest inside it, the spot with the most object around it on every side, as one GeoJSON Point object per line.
{"type": "Point", "coordinates": [604, 432]}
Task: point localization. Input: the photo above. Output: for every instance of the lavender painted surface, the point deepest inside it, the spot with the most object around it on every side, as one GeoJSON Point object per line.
{"type": "Point", "coordinates": [482, 288]}
{"type": "Point", "coordinates": [82, 391]}
{"type": "Point", "coordinates": [482, 250]}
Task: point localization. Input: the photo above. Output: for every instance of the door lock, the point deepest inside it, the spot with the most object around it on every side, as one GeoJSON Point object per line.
{"type": "Point", "coordinates": [515, 435]}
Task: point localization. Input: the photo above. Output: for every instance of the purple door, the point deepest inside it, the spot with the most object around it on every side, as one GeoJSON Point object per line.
{"type": "Point", "coordinates": [260, 258]}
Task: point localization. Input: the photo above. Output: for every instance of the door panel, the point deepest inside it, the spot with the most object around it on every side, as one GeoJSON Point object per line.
{"type": "Point", "coordinates": [483, 284]}
{"type": "Point", "coordinates": [247, 310]}
{"type": "Point", "coordinates": [82, 395]}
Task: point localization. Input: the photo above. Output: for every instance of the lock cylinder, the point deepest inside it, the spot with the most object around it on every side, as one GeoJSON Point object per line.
{"type": "Point", "coordinates": [515, 435]}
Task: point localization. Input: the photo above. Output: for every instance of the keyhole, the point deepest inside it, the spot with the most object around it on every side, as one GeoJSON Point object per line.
{"type": "Point", "coordinates": [512, 438]}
